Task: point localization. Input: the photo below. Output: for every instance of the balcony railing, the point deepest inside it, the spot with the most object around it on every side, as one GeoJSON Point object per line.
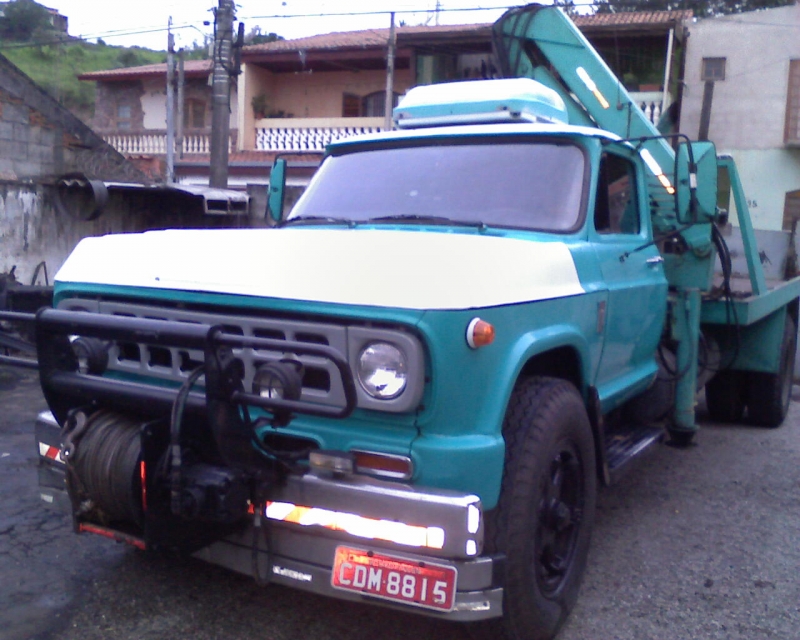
{"type": "Point", "coordinates": [650, 103]}
{"type": "Point", "coordinates": [153, 144]}
{"type": "Point", "coordinates": [310, 134]}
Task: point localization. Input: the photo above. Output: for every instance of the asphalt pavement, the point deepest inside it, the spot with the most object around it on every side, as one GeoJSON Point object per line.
{"type": "Point", "coordinates": [697, 543]}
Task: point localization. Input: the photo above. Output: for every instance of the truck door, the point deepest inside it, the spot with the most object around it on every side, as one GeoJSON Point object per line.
{"type": "Point", "coordinates": [634, 275]}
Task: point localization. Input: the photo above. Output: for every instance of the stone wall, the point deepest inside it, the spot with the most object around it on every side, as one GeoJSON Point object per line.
{"type": "Point", "coordinates": [108, 96]}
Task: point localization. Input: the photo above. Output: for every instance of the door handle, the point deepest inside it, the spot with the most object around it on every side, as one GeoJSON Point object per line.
{"type": "Point", "coordinates": [652, 262]}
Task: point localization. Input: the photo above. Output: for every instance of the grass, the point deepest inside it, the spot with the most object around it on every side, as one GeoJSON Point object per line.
{"type": "Point", "coordinates": [56, 67]}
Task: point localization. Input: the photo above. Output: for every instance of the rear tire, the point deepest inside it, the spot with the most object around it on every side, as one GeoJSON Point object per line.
{"type": "Point", "coordinates": [725, 396]}
{"type": "Point", "coordinates": [769, 394]}
{"type": "Point", "coordinates": [544, 518]}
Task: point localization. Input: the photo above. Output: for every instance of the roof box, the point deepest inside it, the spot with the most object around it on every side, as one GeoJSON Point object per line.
{"type": "Point", "coordinates": [479, 102]}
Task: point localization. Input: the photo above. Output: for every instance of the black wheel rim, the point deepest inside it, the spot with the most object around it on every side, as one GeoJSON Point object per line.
{"type": "Point", "coordinates": [558, 519]}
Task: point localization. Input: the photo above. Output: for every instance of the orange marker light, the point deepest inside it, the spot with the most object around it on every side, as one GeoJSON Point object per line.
{"type": "Point", "coordinates": [479, 333]}
{"type": "Point", "coordinates": [383, 465]}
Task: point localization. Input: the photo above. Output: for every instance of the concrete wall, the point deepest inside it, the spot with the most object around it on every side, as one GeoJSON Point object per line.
{"type": "Point", "coordinates": [749, 105]}
{"type": "Point", "coordinates": [27, 141]}
{"type": "Point", "coordinates": [319, 95]}
{"type": "Point", "coordinates": [34, 230]}
{"type": "Point", "coordinates": [40, 139]}
{"type": "Point", "coordinates": [767, 174]}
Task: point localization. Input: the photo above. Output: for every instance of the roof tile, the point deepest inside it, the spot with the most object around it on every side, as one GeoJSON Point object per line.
{"type": "Point", "coordinates": [377, 38]}
{"type": "Point", "coordinates": [191, 68]}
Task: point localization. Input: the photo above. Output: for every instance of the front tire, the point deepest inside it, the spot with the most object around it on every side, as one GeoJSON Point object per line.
{"type": "Point", "coordinates": [544, 518]}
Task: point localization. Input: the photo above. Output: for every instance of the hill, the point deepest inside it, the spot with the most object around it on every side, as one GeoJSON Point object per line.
{"type": "Point", "coordinates": [55, 66]}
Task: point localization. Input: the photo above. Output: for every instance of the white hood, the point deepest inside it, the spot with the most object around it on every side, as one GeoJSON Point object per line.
{"type": "Point", "coordinates": [389, 268]}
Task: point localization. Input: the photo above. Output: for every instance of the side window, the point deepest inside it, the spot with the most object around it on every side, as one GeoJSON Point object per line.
{"type": "Point", "coordinates": [615, 206]}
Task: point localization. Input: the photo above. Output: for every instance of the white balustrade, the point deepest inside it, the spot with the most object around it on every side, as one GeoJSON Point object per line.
{"type": "Point", "coordinates": [155, 144]}
{"type": "Point", "coordinates": [300, 138]}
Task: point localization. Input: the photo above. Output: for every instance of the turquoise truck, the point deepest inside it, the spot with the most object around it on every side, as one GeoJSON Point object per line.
{"type": "Point", "coordinates": [409, 391]}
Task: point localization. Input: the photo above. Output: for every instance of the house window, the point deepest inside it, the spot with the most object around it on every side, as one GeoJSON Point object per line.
{"type": "Point", "coordinates": [194, 116]}
{"type": "Point", "coordinates": [374, 105]}
{"type": "Point", "coordinates": [124, 118]}
{"type": "Point", "coordinates": [792, 132]}
{"type": "Point", "coordinates": [713, 69]}
{"type": "Point", "coordinates": [351, 105]}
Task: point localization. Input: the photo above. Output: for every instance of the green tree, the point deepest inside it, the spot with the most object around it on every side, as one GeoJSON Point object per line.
{"type": "Point", "coordinates": [256, 36]}
{"type": "Point", "coordinates": [701, 8]}
{"type": "Point", "coordinates": [22, 19]}
{"type": "Point", "coordinates": [567, 5]}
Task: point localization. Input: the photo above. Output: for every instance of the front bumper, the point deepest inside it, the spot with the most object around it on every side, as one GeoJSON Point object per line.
{"type": "Point", "coordinates": [293, 536]}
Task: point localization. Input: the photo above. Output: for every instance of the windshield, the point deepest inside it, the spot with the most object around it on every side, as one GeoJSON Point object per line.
{"type": "Point", "coordinates": [530, 185]}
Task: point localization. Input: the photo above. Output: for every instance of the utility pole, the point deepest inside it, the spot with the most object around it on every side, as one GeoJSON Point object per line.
{"type": "Point", "coordinates": [181, 103]}
{"type": "Point", "coordinates": [220, 106]}
{"type": "Point", "coordinates": [387, 116]}
{"type": "Point", "coordinates": [170, 104]}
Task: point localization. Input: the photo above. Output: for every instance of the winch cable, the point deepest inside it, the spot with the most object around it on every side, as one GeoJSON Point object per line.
{"type": "Point", "coordinates": [107, 462]}
{"type": "Point", "coordinates": [176, 418]}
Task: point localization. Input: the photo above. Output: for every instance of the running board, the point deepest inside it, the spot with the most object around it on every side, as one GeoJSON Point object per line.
{"type": "Point", "coordinates": [623, 448]}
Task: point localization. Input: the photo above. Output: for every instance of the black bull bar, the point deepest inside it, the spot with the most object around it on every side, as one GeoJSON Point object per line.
{"type": "Point", "coordinates": [60, 378]}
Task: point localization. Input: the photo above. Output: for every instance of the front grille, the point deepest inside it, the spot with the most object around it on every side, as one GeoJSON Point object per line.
{"type": "Point", "coordinates": [322, 383]}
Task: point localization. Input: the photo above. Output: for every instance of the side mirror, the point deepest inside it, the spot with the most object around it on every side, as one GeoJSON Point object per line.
{"type": "Point", "coordinates": [277, 189]}
{"type": "Point", "coordinates": [696, 182]}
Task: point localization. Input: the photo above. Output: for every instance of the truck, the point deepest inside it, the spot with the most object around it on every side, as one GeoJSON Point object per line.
{"type": "Point", "coordinates": [409, 391]}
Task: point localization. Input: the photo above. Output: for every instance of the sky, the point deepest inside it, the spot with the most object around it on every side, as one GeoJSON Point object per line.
{"type": "Point", "coordinates": [144, 22]}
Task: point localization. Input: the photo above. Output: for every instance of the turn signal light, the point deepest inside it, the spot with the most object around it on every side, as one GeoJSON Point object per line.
{"type": "Point", "coordinates": [383, 465]}
{"type": "Point", "coordinates": [479, 333]}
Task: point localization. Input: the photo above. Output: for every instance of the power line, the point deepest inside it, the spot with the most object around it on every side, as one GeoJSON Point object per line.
{"type": "Point", "coordinates": [115, 33]}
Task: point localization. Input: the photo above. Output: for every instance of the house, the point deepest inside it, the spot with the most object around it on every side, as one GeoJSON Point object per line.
{"type": "Point", "coordinates": [131, 109]}
{"type": "Point", "coordinates": [299, 95]}
{"type": "Point", "coordinates": [742, 91]}
{"type": "Point", "coordinates": [296, 96]}
{"type": "Point", "coordinates": [58, 22]}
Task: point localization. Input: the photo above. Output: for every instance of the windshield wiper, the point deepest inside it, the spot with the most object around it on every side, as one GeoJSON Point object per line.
{"type": "Point", "coordinates": [413, 217]}
{"type": "Point", "coordinates": [317, 220]}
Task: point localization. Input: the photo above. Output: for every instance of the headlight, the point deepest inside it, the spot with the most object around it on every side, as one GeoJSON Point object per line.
{"type": "Point", "coordinates": [282, 380]}
{"type": "Point", "coordinates": [382, 370]}
{"type": "Point", "coordinates": [91, 354]}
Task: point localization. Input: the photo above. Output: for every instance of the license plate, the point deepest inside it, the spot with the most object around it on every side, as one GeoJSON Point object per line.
{"type": "Point", "coordinates": [417, 583]}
